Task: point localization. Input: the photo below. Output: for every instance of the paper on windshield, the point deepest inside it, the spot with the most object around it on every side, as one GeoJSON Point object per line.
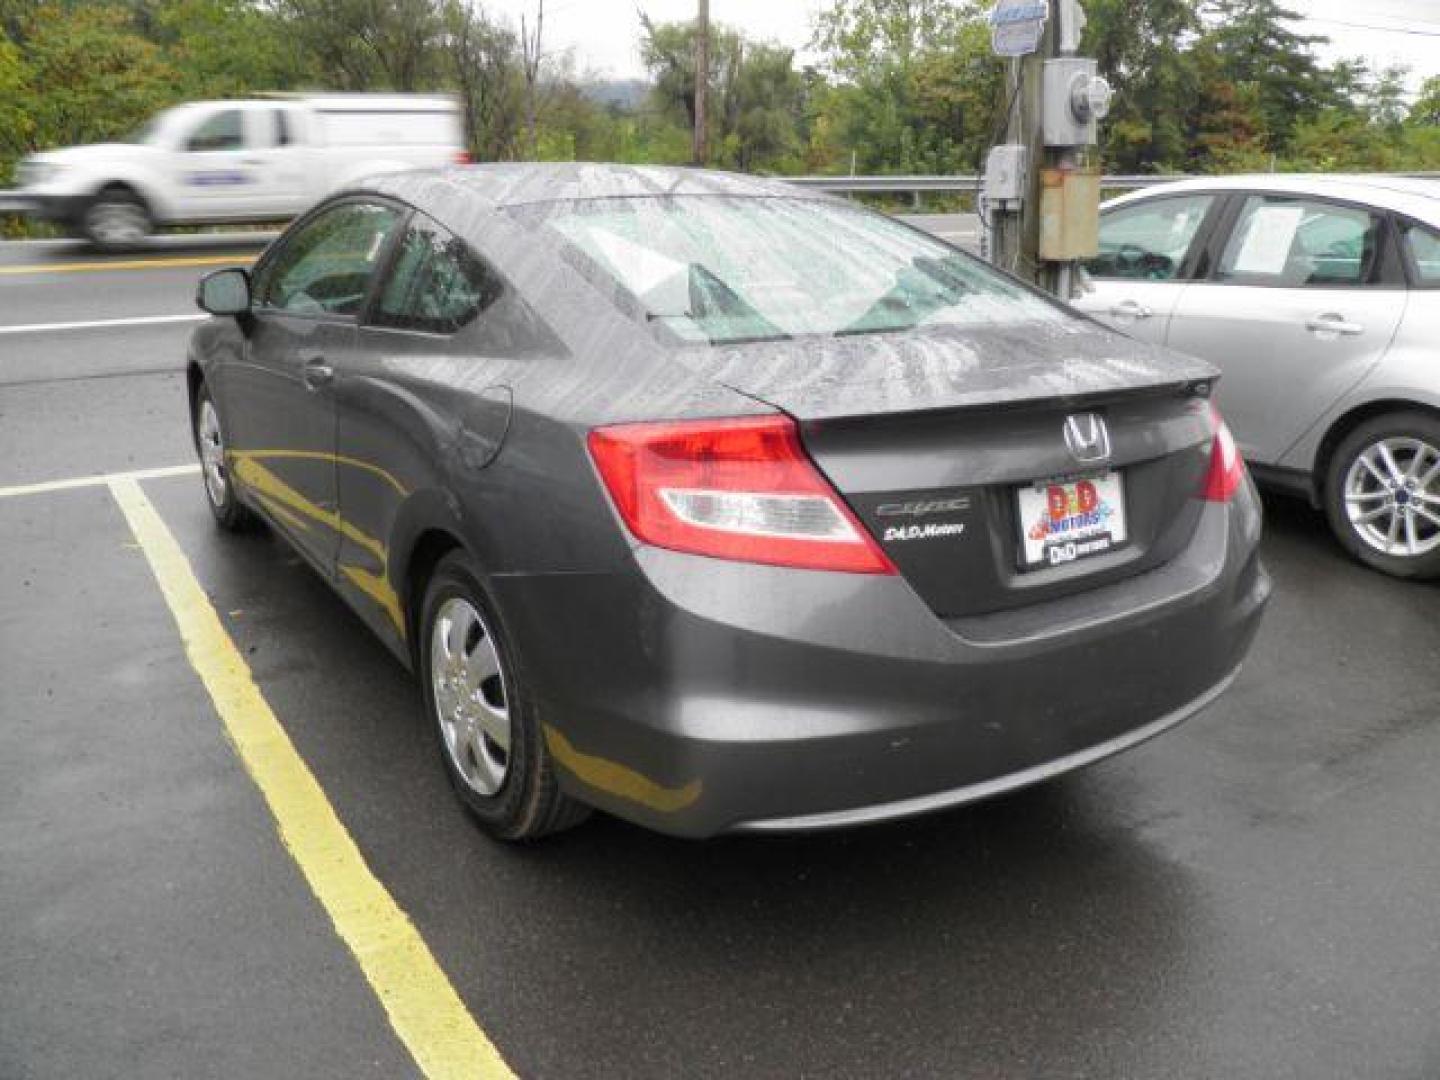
{"type": "Point", "coordinates": [1268, 240]}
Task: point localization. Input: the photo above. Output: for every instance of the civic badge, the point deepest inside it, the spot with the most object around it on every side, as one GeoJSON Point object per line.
{"type": "Point", "coordinates": [1087, 437]}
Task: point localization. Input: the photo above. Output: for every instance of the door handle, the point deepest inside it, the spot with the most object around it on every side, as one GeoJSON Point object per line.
{"type": "Point", "coordinates": [251, 161]}
{"type": "Point", "coordinates": [1331, 324]}
{"type": "Point", "coordinates": [316, 373]}
{"type": "Point", "coordinates": [1130, 309]}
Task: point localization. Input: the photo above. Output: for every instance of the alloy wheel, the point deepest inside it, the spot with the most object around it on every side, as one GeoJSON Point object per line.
{"type": "Point", "coordinates": [470, 696]}
{"type": "Point", "coordinates": [212, 453]}
{"type": "Point", "coordinates": [1392, 496]}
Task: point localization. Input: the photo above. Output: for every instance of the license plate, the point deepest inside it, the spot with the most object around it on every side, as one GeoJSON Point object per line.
{"type": "Point", "coordinates": [1063, 521]}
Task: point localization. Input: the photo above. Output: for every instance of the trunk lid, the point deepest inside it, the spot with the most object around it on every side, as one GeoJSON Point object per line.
{"type": "Point", "coordinates": [930, 437]}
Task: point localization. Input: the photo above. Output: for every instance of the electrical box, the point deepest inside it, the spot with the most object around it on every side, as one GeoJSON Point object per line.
{"type": "Point", "coordinates": [1075, 97]}
{"type": "Point", "coordinates": [1069, 214]}
{"type": "Point", "coordinates": [1005, 174]}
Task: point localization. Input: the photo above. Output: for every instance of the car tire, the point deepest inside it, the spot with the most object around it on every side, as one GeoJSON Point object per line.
{"type": "Point", "coordinates": [484, 722]}
{"type": "Point", "coordinates": [116, 219]}
{"type": "Point", "coordinates": [1381, 488]}
{"type": "Point", "coordinates": [230, 513]}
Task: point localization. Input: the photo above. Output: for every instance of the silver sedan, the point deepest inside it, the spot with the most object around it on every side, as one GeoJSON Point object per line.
{"type": "Point", "coordinates": [1319, 299]}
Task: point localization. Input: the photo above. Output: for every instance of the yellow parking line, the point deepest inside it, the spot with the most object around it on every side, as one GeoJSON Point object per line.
{"type": "Point", "coordinates": [129, 264]}
{"type": "Point", "coordinates": [423, 1007]}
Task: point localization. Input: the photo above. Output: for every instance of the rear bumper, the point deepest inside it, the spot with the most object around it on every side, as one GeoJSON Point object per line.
{"type": "Point", "coordinates": [700, 696]}
{"type": "Point", "coordinates": [944, 800]}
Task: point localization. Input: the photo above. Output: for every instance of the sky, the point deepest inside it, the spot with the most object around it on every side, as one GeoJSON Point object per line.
{"type": "Point", "coordinates": [604, 34]}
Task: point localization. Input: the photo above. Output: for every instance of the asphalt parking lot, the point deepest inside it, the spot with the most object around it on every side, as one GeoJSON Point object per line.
{"type": "Point", "coordinates": [1252, 895]}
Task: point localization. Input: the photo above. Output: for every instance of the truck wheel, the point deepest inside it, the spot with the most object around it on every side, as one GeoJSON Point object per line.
{"type": "Point", "coordinates": [116, 218]}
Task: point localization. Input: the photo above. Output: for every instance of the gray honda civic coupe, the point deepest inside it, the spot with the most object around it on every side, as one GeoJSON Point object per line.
{"type": "Point", "coordinates": [720, 505]}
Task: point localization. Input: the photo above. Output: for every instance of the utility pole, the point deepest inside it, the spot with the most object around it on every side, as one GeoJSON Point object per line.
{"type": "Point", "coordinates": [1041, 201]}
{"type": "Point", "coordinates": [530, 64]}
{"type": "Point", "coordinates": [699, 150]}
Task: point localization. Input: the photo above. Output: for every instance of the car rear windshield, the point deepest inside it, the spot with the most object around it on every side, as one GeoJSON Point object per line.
{"type": "Point", "coordinates": [725, 270]}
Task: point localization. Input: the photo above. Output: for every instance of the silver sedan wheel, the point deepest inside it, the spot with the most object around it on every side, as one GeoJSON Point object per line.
{"type": "Point", "coordinates": [212, 453]}
{"type": "Point", "coordinates": [1392, 496]}
{"type": "Point", "coordinates": [469, 692]}
{"type": "Point", "coordinates": [119, 222]}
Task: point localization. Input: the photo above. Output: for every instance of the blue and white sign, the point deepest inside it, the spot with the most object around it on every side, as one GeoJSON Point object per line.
{"type": "Point", "coordinates": [1016, 26]}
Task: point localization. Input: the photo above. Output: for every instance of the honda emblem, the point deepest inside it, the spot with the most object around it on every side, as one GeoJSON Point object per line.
{"type": "Point", "coordinates": [1087, 437]}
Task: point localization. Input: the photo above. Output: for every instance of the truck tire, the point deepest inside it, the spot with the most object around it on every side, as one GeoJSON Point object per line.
{"type": "Point", "coordinates": [116, 219]}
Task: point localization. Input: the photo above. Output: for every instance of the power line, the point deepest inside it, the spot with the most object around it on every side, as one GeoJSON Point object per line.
{"type": "Point", "coordinates": [1371, 26]}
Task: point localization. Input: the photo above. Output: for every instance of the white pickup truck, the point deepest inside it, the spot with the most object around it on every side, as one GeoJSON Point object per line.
{"type": "Point", "coordinates": [236, 161]}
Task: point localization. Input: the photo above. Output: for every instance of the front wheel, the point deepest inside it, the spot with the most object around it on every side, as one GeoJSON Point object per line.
{"type": "Point", "coordinates": [1382, 494]}
{"type": "Point", "coordinates": [490, 742]}
{"type": "Point", "coordinates": [230, 513]}
{"type": "Point", "coordinates": [116, 219]}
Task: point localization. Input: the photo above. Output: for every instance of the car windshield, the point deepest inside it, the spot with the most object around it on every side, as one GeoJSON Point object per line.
{"type": "Point", "coordinates": [725, 270]}
{"type": "Point", "coordinates": [149, 133]}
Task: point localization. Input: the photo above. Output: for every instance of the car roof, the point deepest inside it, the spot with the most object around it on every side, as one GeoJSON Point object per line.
{"type": "Point", "coordinates": [1418, 196]}
{"type": "Point", "coordinates": [523, 183]}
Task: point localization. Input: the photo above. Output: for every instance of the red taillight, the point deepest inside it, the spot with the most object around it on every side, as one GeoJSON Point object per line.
{"type": "Point", "coordinates": [462, 157]}
{"type": "Point", "coordinates": [733, 489]}
{"type": "Point", "coordinates": [1227, 470]}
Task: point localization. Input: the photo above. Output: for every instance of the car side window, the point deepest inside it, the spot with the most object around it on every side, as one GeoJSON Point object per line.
{"type": "Point", "coordinates": [1148, 240]}
{"type": "Point", "coordinates": [223, 131]}
{"type": "Point", "coordinates": [325, 266]}
{"type": "Point", "coordinates": [1289, 242]}
{"type": "Point", "coordinates": [437, 285]}
{"type": "Point", "coordinates": [1423, 247]}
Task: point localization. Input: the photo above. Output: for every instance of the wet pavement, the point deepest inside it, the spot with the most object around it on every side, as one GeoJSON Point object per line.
{"type": "Point", "coordinates": [1250, 895]}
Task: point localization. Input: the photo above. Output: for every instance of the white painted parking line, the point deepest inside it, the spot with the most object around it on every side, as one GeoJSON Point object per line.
{"type": "Point", "coordinates": [101, 324]}
{"type": "Point", "coordinates": [97, 480]}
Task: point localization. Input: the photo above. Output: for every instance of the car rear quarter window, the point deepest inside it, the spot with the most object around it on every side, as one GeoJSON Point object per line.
{"type": "Point", "coordinates": [1422, 247]}
{"type": "Point", "coordinates": [325, 266]}
{"type": "Point", "coordinates": [436, 284]}
{"type": "Point", "coordinates": [1149, 240]}
{"type": "Point", "coordinates": [1291, 242]}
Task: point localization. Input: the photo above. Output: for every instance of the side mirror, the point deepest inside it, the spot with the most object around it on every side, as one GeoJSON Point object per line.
{"type": "Point", "coordinates": [225, 292]}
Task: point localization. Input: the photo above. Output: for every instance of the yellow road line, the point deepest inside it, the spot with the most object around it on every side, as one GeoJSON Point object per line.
{"type": "Point", "coordinates": [129, 264]}
{"type": "Point", "coordinates": [97, 480]}
{"type": "Point", "coordinates": [423, 1007]}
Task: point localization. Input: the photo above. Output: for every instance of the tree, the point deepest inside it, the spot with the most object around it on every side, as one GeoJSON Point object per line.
{"type": "Point", "coordinates": [227, 48]}
{"type": "Point", "coordinates": [368, 44]}
{"type": "Point", "coordinates": [481, 59]}
{"type": "Point", "coordinates": [1425, 112]}
{"type": "Point", "coordinates": [1253, 47]}
{"type": "Point", "coordinates": [916, 88]}
{"type": "Point", "coordinates": [1144, 48]}
{"type": "Point", "coordinates": [90, 76]}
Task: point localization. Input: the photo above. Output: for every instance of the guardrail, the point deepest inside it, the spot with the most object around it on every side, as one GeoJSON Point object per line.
{"type": "Point", "coordinates": [918, 185]}
{"type": "Point", "coordinates": [914, 186]}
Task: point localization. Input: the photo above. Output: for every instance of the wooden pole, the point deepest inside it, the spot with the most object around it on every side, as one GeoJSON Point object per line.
{"type": "Point", "coordinates": [699, 150]}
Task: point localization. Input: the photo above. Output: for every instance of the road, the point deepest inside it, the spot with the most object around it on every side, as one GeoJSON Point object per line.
{"type": "Point", "coordinates": [1251, 895]}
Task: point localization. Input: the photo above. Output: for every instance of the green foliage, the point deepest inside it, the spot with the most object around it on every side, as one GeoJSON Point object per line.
{"type": "Point", "coordinates": [916, 87]}
{"type": "Point", "coordinates": [228, 48]}
{"type": "Point", "coordinates": [1425, 112]}
{"type": "Point", "coordinates": [903, 86]}
{"type": "Point", "coordinates": [89, 76]}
